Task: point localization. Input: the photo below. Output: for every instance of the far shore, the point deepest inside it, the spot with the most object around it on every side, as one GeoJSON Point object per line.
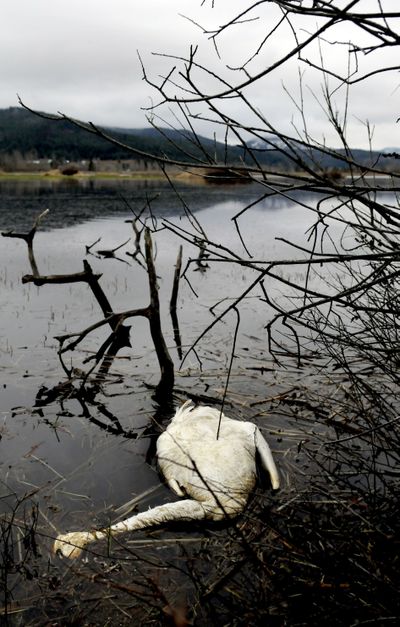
{"type": "Point", "coordinates": [58, 176]}
{"type": "Point", "coordinates": [176, 174]}
{"type": "Point", "coordinates": [197, 177]}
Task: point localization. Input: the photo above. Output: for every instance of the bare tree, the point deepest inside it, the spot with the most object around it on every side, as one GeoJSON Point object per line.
{"type": "Point", "coordinates": [120, 332]}
{"type": "Point", "coordinates": [345, 307]}
{"type": "Point", "coordinates": [347, 195]}
{"type": "Point", "coordinates": [343, 314]}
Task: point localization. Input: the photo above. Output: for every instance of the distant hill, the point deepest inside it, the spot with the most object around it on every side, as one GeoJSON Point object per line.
{"type": "Point", "coordinates": [32, 138]}
{"type": "Point", "coordinates": [28, 134]}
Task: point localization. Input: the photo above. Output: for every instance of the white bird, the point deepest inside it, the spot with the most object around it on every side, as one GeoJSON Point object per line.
{"type": "Point", "coordinates": [215, 474]}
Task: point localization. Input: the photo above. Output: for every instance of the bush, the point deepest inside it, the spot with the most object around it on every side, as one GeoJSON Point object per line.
{"type": "Point", "coordinates": [69, 170]}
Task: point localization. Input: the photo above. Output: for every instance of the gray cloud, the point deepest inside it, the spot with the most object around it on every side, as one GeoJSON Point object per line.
{"type": "Point", "coordinates": [81, 58]}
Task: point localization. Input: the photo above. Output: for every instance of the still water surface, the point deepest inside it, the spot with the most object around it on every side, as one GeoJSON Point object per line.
{"type": "Point", "coordinates": [75, 467]}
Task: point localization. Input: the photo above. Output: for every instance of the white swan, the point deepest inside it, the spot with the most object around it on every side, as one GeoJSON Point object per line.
{"type": "Point", "coordinates": [216, 475]}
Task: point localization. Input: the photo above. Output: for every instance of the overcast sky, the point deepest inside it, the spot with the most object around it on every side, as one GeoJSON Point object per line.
{"type": "Point", "coordinates": [80, 57]}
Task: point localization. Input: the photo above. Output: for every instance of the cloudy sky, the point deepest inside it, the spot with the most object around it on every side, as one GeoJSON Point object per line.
{"type": "Point", "coordinates": [80, 57]}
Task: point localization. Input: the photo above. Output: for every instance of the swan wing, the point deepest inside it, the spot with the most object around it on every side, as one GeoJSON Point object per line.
{"type": "Point", "coordinates": [266, 458]}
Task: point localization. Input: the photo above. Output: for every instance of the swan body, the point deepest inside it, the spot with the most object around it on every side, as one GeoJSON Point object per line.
{"type": "Point", "coordinates": [215, 475]}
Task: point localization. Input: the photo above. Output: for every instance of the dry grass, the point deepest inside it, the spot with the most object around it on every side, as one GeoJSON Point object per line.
{"type": "Point", "coordinates": [324, 550]}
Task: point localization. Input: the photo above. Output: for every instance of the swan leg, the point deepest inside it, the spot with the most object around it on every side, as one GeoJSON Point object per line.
{"type": "Point", "coordinates": [180, 510]}
{"type": "Point", "coordinates": [266, 458]}
{"type": "Point", "coordinates": [71, 544]}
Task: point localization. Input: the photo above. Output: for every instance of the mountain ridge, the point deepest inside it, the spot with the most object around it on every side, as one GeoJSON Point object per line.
{"type": "Point", "coordinates": [34, 137]}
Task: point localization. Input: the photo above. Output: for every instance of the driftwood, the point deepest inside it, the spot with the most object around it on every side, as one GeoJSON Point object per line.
{"type": "Point", "coordinates": [120, 333]}
{"type": "Point", "coordinates": [28, 238]}
{"type": "Point", "coordinates": [173, 302]}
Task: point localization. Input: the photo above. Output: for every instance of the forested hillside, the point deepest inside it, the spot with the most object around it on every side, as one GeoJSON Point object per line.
{"type": "Point", "coordinates": [26, 138]}
{"type": "Point", "coordinates": [34, 137]}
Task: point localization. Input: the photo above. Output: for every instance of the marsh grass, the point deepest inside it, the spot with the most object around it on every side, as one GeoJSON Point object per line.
{"type": "Point", "coordinates": [324, 550]}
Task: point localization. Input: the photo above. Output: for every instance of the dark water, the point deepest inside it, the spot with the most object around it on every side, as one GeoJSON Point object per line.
{"type": "Point", "coordinates": [67, 455]}
{"type": "Point", "coordinates": [72, 202]}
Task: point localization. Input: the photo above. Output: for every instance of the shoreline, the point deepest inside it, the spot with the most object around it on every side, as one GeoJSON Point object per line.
{"type": "Point", "coordinates": [156, 175]}
{"type": "Point", "coordinates": [58, 176]}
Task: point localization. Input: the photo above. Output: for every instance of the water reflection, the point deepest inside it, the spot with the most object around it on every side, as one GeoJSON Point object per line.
{"type": "Point", "coordinates": [63, 451]}
{"type": "Point", "coordinates": [76, 201]}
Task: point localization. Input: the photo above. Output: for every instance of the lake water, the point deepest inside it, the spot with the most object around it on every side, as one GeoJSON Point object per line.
{"type": "Point", "coordinates": [66, 456]}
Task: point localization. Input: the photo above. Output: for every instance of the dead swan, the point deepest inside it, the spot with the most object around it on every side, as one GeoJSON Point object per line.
{"type": "Point", "coordinates": [216, 475]}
